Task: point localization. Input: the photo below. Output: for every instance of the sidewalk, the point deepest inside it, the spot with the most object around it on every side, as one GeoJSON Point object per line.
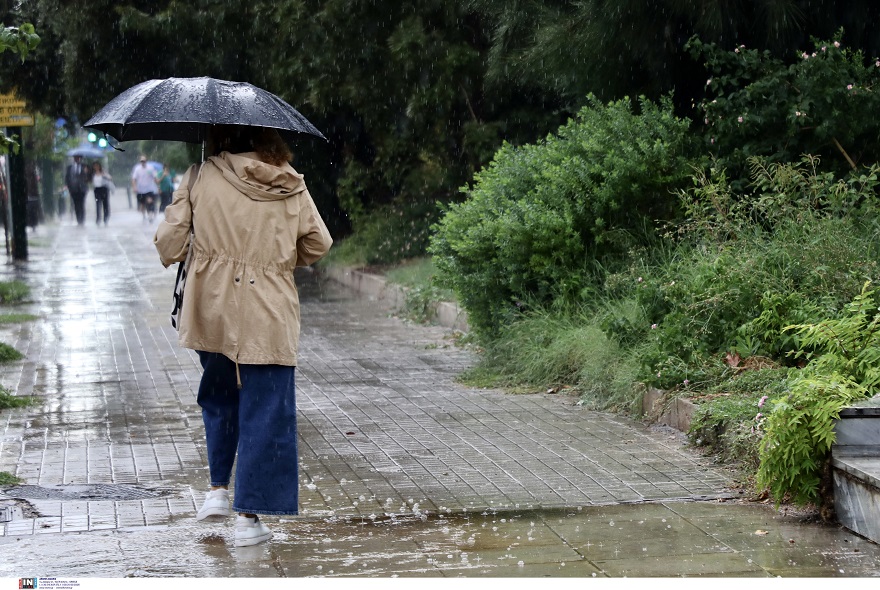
{"type": "Point", "coordinates": [402, 470]}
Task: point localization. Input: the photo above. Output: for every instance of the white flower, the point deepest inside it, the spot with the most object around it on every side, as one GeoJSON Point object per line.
{"type": "Point", "coordinates": [740, 119]}
{"type": "Point", "coordinates": [837, 43]}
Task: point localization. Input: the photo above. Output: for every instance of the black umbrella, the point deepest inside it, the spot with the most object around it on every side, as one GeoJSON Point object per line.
{"type": "Point", "coordinates": [183, 109]}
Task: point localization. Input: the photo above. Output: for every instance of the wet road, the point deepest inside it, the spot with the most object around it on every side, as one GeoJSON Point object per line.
{"type": "Point", "coordinates": [403, 471]}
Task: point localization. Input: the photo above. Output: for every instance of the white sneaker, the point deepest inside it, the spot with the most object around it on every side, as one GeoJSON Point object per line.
{"type": "Point", "coordinates": [216, 504]}
{"type": "Point", "coordinates": [250, 531]}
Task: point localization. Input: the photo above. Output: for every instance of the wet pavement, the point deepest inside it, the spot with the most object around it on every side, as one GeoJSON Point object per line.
{"type": "Point", "coordinates": [404, 472]}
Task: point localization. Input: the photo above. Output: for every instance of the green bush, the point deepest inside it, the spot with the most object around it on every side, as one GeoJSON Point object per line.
{"type": "Point", "coordinates": [793, 251]}
{"type": "Point", "coordinates": [7, 479]}
{"type": "Point", "coordinates": [7, 400]}
{"type": "Point", "coordinates": [844, 366]}
{"type": "Point", "coordinates": [539, 217]}
{"type": "Point", "coordinates": [8, 353]}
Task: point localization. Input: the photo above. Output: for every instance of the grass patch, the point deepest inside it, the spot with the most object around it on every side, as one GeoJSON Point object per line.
{"type": "Point", "coordinates": [550, 351]}
{"type": "Point", "coordinates": [8, 354]}
{"type": "Point", "coordinates": [17, 318]}
{"type": "Point", "coordinates": [417, 272]}
{"type": "Point", "coordinates": [344, 253]}
{"type": "Point", "coordinates": [13, 291]}
{"type": "Point", "coordinates": [7, 479]}
{"type": "Point", "coordinates": [422, 296]}
{"type": "Point", "coordinates": [7, 400]}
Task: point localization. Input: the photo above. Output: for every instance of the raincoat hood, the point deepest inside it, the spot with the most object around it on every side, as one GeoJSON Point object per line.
{"type": "Point", "coordinates": [258, 180]}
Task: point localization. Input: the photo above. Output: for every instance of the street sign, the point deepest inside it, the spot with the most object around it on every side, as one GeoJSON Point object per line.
{"type": "Point", "coordinates": [10, 100]}
{"type": "Point", "coordinates": [13, 112]}
{"type": "Point", "coordinates": [16, 119]}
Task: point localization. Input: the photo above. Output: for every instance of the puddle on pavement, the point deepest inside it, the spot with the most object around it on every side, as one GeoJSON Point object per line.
{"type": "Point", "coordinates": [710, 539]}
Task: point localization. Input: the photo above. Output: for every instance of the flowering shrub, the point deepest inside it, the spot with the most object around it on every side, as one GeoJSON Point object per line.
{"type": "Point", "coordinates": [817, 103]}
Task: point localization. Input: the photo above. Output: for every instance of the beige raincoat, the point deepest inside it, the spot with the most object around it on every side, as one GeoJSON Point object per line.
{"type": "Point", "coordinates": [253, 223]}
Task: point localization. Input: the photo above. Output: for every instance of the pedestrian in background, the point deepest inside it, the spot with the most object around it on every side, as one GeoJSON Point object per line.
{"type": "Point", "coordinates": [143, 183]}
{"type": "Point", "coordinates": [76, 180]}
{"type": "Point", "coordinates": [166, 187]}
{"type": "Point", "coordinates": [104, 187]}
{"type": "Point", "coordinates": [252, 221]}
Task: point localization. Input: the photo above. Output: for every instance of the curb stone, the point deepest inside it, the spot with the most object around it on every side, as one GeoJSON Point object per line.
{"type": "Point", "coordinates": [446, 313]}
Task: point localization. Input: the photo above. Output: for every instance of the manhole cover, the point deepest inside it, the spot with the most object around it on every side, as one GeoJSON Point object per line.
{"type": "Point", "coordinates": [83, 492]}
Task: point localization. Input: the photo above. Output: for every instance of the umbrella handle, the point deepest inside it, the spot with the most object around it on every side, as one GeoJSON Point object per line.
{"type": "Point", "coordinates": [118, 149]}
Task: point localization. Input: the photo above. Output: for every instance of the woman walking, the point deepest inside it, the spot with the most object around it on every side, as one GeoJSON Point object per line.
{"type": "Point", "coordinates": [252, 221]}
{"type": "Point", "coordinates": [102, 183]}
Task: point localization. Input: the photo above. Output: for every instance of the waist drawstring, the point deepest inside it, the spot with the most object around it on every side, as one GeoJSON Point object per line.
{"type": "Point", "coordinates": [237, 374]}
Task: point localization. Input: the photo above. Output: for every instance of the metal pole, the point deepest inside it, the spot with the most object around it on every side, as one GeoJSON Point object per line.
{"type": "Point", "coordinates": [18, 200]}
{"type": "Point", "coordinates": [7, 222]}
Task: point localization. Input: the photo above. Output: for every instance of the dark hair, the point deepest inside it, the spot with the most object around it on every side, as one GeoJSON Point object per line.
{"type": "Point", "coordinates": [98, 164]}
{"type": "Point", "coordinates": [268, 144]}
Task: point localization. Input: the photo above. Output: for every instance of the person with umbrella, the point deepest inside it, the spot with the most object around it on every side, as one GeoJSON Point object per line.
{"type": "Point", "coordinates": [249, 219]}
{"type": "Point", "coordinates": [76, 181]}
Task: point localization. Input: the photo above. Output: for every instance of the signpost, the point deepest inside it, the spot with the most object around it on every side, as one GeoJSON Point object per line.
{"type": "Point", "coordinates": [13, 112]}
{"type": "Point", "coordinates": [14, 116]}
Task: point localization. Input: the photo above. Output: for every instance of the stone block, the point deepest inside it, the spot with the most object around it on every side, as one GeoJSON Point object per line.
{"type": "Point", "coordinates": [857, 494]}
{"type": "Point", "coordinates": [676, 413]}
{"type": "Point", "coordinates": [858, 430]}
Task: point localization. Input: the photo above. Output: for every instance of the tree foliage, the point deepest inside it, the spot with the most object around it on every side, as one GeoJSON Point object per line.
{"type": "Point", "coordinates": [617, 47]}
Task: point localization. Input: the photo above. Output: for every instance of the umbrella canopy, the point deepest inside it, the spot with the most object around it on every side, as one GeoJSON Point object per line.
{"type": "Point", "coordinates": [86, 151]}
{"type": "Point", "coordinates": [183, 109]}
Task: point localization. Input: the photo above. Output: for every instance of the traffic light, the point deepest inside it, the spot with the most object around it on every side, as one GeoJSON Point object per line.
{"type": "Point", "coordinates": [92, 138]}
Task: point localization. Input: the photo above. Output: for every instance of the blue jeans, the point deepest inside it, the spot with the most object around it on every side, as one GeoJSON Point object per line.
{"type": "Point", "coordinates": [258, 422]}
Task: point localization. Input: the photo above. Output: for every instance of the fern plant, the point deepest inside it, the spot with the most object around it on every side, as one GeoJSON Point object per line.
{"type": "Point", "coordinates": [843, 366]}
